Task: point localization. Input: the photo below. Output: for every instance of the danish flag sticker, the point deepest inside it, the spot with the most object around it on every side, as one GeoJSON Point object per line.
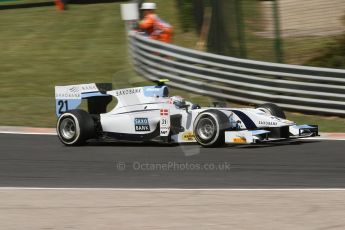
{"type": "Point", "coordinates": [164, 112]}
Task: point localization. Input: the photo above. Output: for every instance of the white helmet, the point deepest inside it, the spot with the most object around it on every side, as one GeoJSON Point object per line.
{"type": "Point", "coordinates": [148, 6]}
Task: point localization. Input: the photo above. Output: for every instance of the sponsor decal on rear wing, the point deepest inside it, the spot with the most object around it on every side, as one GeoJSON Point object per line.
{"type": "Point", "coordinates": [69, 97]}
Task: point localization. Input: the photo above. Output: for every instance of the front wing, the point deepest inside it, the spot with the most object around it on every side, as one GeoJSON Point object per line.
{"type": "Point", "coordinates": [259, 136]}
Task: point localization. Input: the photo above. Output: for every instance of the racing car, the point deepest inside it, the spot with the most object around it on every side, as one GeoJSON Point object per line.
{"type": "Point", "coordinates": [149, 114]}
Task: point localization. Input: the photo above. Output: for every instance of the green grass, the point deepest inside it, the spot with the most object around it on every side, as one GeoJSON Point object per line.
{"type": "Point", "coordinates": [16, 2]}
{"type": "Point", "coordinates": [326, 124]}
{"type": "Point", "coordinates": [41, 48]}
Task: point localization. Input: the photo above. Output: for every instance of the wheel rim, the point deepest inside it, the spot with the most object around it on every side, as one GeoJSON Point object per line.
{"type": "Point", "coordinates": [206, 128]}
{"type": "Point", "coordinates": [67, 128]}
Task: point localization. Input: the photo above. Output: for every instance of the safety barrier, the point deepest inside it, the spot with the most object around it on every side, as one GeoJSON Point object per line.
{"type": "Point", "coordinates": [298, 88]}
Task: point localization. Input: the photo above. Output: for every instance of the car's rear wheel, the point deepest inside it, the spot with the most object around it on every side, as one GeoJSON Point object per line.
{"type": "Point", "coordinates": [209, 128]}
{"type": "Point", "coordinates": [272, 109]}
{"type": "Point", "coordinates": [75, 127]}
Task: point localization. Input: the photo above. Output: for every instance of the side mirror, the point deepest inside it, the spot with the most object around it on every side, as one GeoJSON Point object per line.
{"type": "Point", "coordinates": [185, 106]}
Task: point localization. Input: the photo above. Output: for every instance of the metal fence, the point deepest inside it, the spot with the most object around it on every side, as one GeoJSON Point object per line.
{"type": "Point", "coordinates": [298, 88]}
{"type": "Point", "coordinates": [285, 31]}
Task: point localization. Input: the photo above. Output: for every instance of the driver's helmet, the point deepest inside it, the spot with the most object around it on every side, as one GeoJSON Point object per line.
{"type": "Point", "coordinates": [178, 101]}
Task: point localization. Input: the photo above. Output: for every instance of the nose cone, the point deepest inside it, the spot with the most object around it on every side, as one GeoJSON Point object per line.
{"type": "Point", "coordinates": [288, 122]}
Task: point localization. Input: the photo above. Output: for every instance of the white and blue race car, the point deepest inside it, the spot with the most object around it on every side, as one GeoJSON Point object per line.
{"type": "Point", "coordinates": [149, 114]}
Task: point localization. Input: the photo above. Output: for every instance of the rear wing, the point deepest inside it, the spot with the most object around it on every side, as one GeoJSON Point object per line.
{"type": "Point", "coordinates": [70, 96]}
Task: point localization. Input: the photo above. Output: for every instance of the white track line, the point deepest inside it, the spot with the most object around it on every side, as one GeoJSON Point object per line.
{"type": "Point", "coordinates": [174, 189]}
{"type": "Point", "coordinates": [323, 139]}
{"type": "Point", "coordinates": [54, 134]}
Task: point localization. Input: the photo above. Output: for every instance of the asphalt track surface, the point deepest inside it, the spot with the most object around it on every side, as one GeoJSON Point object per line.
{"type": "Point", "coordinates": [42, 161]}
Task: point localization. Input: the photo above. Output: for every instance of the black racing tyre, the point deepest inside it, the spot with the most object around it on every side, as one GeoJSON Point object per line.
{"type": "Point", "coordinates": [272, 109]}
{"type": "Point", "coordinates": [75, 127]}
{"type": "Point", "coordinates": [209, 128]}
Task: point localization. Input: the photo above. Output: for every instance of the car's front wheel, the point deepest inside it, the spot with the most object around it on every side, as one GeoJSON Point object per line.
{"type": "Point", "coordinates": [75, 127]}
{"type": "Point", "coordinates": [209, 128]}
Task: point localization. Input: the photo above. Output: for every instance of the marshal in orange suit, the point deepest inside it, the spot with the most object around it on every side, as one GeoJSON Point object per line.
{"type": "Point", "coordinates": [153, 26]}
